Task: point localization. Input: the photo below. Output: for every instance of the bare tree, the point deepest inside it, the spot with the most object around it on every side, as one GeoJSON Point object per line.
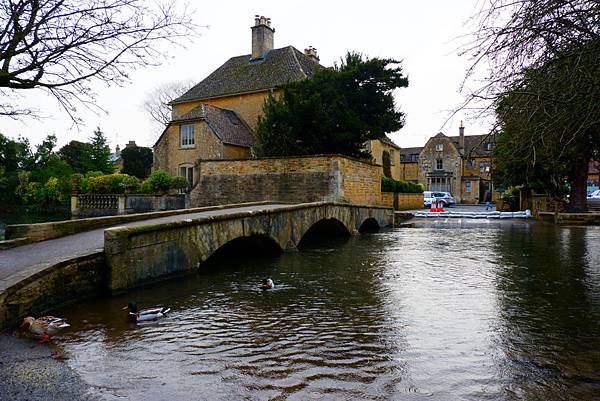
{"type": "Point", "coordinates": [62, 46]}
{"type": "Point", "coordinates": [157, 103]}
{"type": "Point", "coordinates": [513, 35]}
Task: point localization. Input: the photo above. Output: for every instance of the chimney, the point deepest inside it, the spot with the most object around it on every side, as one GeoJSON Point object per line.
{"type": "Point", "coordinates": [118, 151]}
{"type": "Point", "coordinates": [262, 36]}
{"type": "Point", "coordinates": [461, 138]}
{"type": "Point", "coordinates": [311, 52]}
{"type": "Point", "coordinates": [131, 144]}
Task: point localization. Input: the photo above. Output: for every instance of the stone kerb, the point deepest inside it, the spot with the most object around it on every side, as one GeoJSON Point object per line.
{"type": "Point", "coordinates": [136, 255]}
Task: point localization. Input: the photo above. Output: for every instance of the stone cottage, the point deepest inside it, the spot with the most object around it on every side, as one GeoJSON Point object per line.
{"type": "Point", "coordinates": [215, 119]}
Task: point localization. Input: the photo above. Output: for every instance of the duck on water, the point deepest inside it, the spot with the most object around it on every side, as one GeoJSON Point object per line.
{"type": "Point", "coordinates": [135, 316]}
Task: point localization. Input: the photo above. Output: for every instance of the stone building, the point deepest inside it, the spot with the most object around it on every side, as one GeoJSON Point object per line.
{"type": "Point", "coordinates": [385, 144]}
{"type": "Point", "coordinates": [216, 117]}
{"type": "Point", "coordinates": [457, 164]}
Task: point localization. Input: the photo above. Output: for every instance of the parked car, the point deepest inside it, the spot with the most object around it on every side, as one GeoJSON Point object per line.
{"type": "Point", "coordinates": [445, 197]}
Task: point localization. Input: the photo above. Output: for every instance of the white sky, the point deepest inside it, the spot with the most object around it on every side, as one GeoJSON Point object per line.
{"type": "Point", "coordinates": [422, 34]}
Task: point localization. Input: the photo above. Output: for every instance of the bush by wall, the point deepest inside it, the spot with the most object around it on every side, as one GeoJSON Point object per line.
{"type": "Point", "coordinates": [159, 182]}
{"type": "Point", "coordinates": [391, 185]}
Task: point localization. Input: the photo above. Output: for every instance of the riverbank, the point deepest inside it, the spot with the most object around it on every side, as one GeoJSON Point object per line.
{"type": "Point", "coordinates": [29, 371]}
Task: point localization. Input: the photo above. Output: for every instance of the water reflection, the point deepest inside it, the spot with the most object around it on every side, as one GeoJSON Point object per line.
{"type": "Point", "coordinates": [548, 297]}
{"type": "Point", "coordinates": [474, 312]}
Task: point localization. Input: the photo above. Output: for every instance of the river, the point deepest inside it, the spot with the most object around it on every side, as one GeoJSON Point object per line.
{"type": "Point", "coordinates": [503, 311]}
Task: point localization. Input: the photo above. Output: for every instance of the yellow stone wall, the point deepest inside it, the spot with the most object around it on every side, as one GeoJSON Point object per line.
{"type": "Point", "coordinates": [292, 179]}
{"type": "Point", "coordinates": [377, 147]}
{"type": "Point", "coordinates": [408, 201]}
{"type": "Point", "coordinates": [169, 155]}
{"type": "Point", "coordinates": [409, 172]}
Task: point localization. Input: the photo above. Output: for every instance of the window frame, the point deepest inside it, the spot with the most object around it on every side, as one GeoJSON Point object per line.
{"type": "Point", "coordinates": [188, 174]}
{"type": "Point", "coordinates": [439, 147]}
{"type": "Point", "coordinates": [439, 164]}
{"type": "Point", "coordinates": [188, 137]}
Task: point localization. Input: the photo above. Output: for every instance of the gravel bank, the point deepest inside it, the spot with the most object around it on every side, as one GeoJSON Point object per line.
{"type": "Point", "coordinates": [28, 371]}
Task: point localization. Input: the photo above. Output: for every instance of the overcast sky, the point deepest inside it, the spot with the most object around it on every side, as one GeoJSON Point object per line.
{"type": "Point", "coordinates": [422, 34]}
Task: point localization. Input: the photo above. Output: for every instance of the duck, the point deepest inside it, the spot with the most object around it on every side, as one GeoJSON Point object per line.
{"type": "Point", "coordinates": [145, 314]}
{"type": "Point", "coordinates": [266, 284]}
{"type": "Point", "coordinates": [45, 326]}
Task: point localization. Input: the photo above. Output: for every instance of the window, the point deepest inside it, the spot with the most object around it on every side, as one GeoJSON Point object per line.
{"type": "Point", "coordinates": [468, 187]}
{"type": "Point", "coordinates": [186, 132]}
{"type": "Point", "coordinates": [402, 158]}
{"type": "Point", "coordinates": [414, 157]}
{"type": "Point", "coordinates": [443, 184]}
{"type": "Point", "coordinates": [484, 167]}
{"type": "Point", "coordinates": [439, 164]}
{"type": "Point", "coordinates": [187, 171]}
{"type": "Point", "coordinates": [439, 147]}
{"type": "Point", "coordinates": [489, 146]}
{"type": "Point", "coordinates": [471, 162]}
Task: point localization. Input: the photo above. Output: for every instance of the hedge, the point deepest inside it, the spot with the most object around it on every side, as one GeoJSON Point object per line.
{"type": "Point", "coordinates": [391, 185]}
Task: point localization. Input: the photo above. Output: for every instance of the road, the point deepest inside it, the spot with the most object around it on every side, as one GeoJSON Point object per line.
{"type": "Point", "coordinates": [14, 260]}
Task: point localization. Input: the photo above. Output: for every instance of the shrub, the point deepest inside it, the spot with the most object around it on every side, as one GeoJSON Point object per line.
{"type": "Point", "coordinates": [180, 183]}
{"type": "Point", "coordinates": [391, 185]}
{"type": "Point", "coordinates": [158, 181]}
{"type": "Point", "coordinates": [77, 182]}
{"type": "Point", "coordinates": [107, 184]}
{"type": "Point", "coordinates": [130, 183]}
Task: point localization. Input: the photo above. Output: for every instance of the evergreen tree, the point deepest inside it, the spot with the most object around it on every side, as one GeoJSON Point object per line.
{"type": "Point", "coordinates": [100, 152]}
{"type": "Point", "coordinates": [78, 155]}
{"type": "Point", "coordinates": [137, 161]}
{"type": "Point", "coordinates": [336, 111]}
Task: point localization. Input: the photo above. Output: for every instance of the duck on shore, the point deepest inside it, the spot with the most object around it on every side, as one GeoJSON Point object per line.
{"type": "Point", "coordinates": [266, 284]}
{"type": "Point", "coordinates": [135, 316]}
{"type": "Point", "coordinates": [44, 327]}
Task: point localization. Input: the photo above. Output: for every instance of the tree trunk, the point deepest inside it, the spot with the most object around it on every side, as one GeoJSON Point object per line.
{"type": "Point", "coordinates": [578, 199]}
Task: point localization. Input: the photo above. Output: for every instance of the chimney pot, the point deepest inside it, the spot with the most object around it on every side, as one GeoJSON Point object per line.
{"type": "Point", "coordinates": [262, 36]}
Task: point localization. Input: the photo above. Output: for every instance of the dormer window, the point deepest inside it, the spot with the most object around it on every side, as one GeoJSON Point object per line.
{"type": "Point", "coordinates": [489, 146]}
{"type": "Point", "coordinates": [439, 147]}
{"type": "Point", "coordinates": [186, 133]}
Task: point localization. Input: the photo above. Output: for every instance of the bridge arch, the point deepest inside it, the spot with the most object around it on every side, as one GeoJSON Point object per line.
{"type": "Point", "coordinates": [243, 247]}
{"type": "Point", "coordinates": [324, 228]}
{"type": "Point", "coordinates": [369, 225]}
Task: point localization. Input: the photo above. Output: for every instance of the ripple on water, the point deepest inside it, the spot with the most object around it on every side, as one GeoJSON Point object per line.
{"type": "Point", "coordinates": [484, 313]}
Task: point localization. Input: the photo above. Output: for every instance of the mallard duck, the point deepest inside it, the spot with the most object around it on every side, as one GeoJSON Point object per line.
{"type": "Point", "coordinates": [44, 326]}
{"type": "Point", "coordinates": [266, 284]}
{"type": "Point", "coordinates": [145, 314]}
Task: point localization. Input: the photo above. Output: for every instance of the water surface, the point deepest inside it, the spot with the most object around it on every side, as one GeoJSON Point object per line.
{"type": "Point", "coordinates": [494, 312]}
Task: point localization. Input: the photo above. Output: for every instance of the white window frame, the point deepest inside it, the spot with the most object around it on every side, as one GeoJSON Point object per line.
{"type": "Point", "coordinates": [188, 173]}
{"type": "Point", "coordinates": [439, 147]}
{"type": "Point", "coordinates": [187, 136]}
{"type": "Point", "coordinates": [439, 164]}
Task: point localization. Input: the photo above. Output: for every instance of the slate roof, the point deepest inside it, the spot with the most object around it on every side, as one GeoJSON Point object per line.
{"type": "Point", "coordinates": [406, 152]}
{"type": "Point", "coordinates": [475, 144]}
{"type": "Point", "coordinates": [227, 126]}
{"type": "Point", "coordinates": [242, 75]}
{"type": "Point", "coordinates": [385, 139]}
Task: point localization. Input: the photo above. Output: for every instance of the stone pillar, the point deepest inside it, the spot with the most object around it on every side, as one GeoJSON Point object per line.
{"type": "Point", "coordinates": [121, 204]}
{"type": "Point", "coordinates": [75, 205]}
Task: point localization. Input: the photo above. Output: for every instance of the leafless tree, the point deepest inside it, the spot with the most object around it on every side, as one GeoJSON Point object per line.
{"type": "Point", "coordinates": [513, 35]}
{"type": "Point", "coordinates": [63, 46]}
{"type": "Point", "coordinates": [157, 103]}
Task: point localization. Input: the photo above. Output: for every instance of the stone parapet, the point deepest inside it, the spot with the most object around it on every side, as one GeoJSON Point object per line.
{"type": "Point", "coordinates": [329, 178]}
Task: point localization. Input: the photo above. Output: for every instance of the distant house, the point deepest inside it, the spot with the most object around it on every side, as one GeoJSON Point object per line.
{"type": "Point", "coordinates": [215, 119]}
{"type": "Point", "coordinates": [457, 164]}
{"type": "Point", "coordinates": [116, 159]}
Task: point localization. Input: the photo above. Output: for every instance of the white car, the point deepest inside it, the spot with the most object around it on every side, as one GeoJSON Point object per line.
{"type": "Point", "coordinates": [594, 195]}
{"type": "Point", "coordinates": [445, 197]}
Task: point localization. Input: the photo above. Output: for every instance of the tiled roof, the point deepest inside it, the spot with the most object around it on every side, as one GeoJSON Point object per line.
{"type": "Point", "coordinates": [410, 151]}
{"type": "Point", "coordinates": [475, 144]}
{"type": "Point", "coordinates": [385, 139]}
{"type": "Point", "coordinates": [241, 75]}
{"type": "Point", "coordinates": [226, 125]}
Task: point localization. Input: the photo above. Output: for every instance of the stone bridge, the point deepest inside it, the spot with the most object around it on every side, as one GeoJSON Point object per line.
{"type": "Point", "coordinates": [139, 254]}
